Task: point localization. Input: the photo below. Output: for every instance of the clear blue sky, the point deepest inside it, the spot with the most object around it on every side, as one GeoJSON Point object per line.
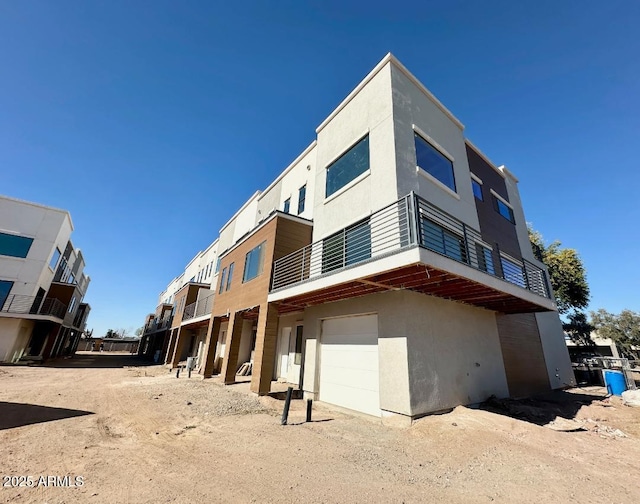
{"type": "Point", "coordinates": [153, 121]}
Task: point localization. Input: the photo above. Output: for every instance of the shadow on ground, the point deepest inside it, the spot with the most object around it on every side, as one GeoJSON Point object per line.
{"type": "Point", "coordinates": [542, 409]}
{"type": "Point", "coordinates": [14, 415]}
{"type": "Point", "coordinates": [99, 360]}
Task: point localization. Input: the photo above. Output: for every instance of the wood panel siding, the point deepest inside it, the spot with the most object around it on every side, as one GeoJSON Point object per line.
{"type": "Point", "coordinates": [522, 354]}
{"type": "Point", "coordinates": [494, 228]}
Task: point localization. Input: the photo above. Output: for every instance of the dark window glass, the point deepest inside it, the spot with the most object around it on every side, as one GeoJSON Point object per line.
{"type": "Point", "coordinates": [443, 241]}
{"type": "Point", "coordinates": [298, 357]}
{"type": "Point", "coordinates": [477, 189]}
{"type": "Point", "coordinates": [349, 246]}
{"type": "Point", "coordinates": [218, 265]}
{"type": "Point", "coordinates": [434, 163]}
{"type": "Point", "coordinates": [504, 210]}
{"type": "Point", "coordinates": [14, 246]}
{"type": "Point", "coordinates": [485, 259]}
{"type": "Point", "coordinates": [231, 266]}
{"type": "Point", "coordinates": [287, 205]}
{"type": "Point", "coordinates": [222, 280]}
{"type": "Point", "coordinates": [512, 272]}
{"type": "Point", "coordinates": [347, 167]}
{"type": "Point", "coordinates": [5, 288]}
{"type": "Point", "coordinates": [302, 195]}
{"type": "Point", "coordinates": [54, 259]}
{"type": "Point", "coordinates": [253, 262]}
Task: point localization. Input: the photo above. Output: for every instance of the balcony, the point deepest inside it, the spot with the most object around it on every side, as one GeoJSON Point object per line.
{"type": "Point", "coordinates": [157, 325]}
{"type": "Point", "coordinates": [33, 305]}
{"type": "Point", "coordinates": [198, 309]}
{"type": "Point", "coordinates": [410, 244]}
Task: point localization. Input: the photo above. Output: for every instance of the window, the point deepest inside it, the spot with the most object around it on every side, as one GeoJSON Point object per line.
{"type": "Point", "coordinates": [512, 272]}
{"type": "Point", "coordinates": [485, 259]}
{"type": "Point", "coordinates": [72, 305]}
{"type": "Point", "coordinates": [504, 210]}
{"type": "Point", "coordinates": [14, 246]}
{"type": "Point", "coordinates": [230, 276]}
{"type": "Point", "coordinates": [218, 265]}
{"type": "Point", "coordinates": [477, 189]}
{"type": "Point", "coordinates": [441, 240]}
{"type": "Point", "coordinates": [287, 205]}
{"type": "Point", "coordinates": [349, 246]}
{"type": "Point", "coordinates": [347, 167]}
{"type": "Point", "coordinates": [5, 288]}
{"type": "Point", "coordinates": [302, 194]}
{"type": "Point", "coordinates": [54, 259]}
{"type": "Point", "coordinates": [434, 162]}
{"type": "Point", "coordinates": [298, 357]}
{"type": "Point", "coordinates": [222, 279]}
{"type": "Point", "coordinates": [253, 263]}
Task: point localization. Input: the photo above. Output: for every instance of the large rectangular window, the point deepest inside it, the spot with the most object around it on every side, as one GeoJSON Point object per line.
{"type": "Point", "coordinates": [485, 259]}
{"type": "Point", "coordinates": [504, 210]}
{"type": "Point", "coordinates": [441, 240]}
{"type": "Point", "coordinates": [347, 167]}
{"type": "Point", "coordinates": [231, 266]}
{"type": "Point", "coordinates": [434, 162]}
{"type": "Point", "coordinates": [54, 259]}
{"type": "Point", "coordinates": [302, 196]}
{"type": "Point", "coordinates": [14, 246]}
{"type": "Point", "coordinates": [223, 278]}
{"type": "Point", "coordinates": [349, 246]}
{"type": "Point", "coordinates": [253, 262]}
{"type": "Point", "coordinates": [5, 288]}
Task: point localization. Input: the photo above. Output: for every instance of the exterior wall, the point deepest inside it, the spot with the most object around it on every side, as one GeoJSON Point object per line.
{"type": "Point", "coordinates": [412, 106]}
{"type": "Point", "coordinates": [9, 337]}
{"type": "Point", "coordinates": [494, 228]}
{"type": "Point", "coordinates": [556, 354]}
{"type": "Point", "coordinates": [369, 111]}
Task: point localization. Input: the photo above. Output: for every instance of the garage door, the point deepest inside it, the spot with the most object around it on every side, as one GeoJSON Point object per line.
{"type": "Point", "coordinates": [349, 363]}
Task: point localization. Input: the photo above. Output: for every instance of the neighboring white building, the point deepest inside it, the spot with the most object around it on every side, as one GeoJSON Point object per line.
{"type": "Point", "coordinates": [42, 282]}
{"type": "Point", "coordinates": [386, 270]}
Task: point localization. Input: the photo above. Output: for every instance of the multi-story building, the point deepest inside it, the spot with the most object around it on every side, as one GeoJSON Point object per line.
{"type": "Point", "coordinates": [42, 283]}
{"type": "Point", "coordinates": [386, 270]}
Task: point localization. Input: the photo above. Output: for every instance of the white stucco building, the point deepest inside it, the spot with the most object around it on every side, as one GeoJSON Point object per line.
{"type": "Point", "coordinates": [42, 282]}
{"type": "Point", "coordinates": [387, 270]}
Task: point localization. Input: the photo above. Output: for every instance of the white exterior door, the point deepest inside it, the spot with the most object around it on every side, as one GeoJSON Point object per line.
{"type": "Point", "coordinates": [283, 352]}
{"type": "Point", "coordinates": [349, 371]}
{"type": "Point", "coordinates": [295, 356]}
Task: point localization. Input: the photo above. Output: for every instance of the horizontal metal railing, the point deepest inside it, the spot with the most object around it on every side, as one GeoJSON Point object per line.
{"type": "Point", "coordinates": [410, 221]}
{"type": "Point", "coordinates": [34, 305]}
{"type": "Point", "coordinates": [198, 309]}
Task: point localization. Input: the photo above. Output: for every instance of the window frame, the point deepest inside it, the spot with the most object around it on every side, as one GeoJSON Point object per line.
{"type": "Point", "coordinates": [261, 252]}
{"type": "Point", "coordinates": [230, 276]}
{"type": "Point", "coordinates": [476, 182]}
{"type": "Point", "coordinates": [10, 284]}
{"type": "Point", "coordinates": [20, 242]}
{"type": "Point", "coordinates": [500, 203]}
{"type": "Point", "coordinates": [438, 150]}
{"type": "Point", "coordinates": [339, 159]}
{"type": "Point", "coordinates": [287, 205]}
{"type": "Point", "coordinates": [55, 264]}
{"type": "Point", "coordinates": [302, 197]}
{"type": "Point", "coordinates": [223, 279]}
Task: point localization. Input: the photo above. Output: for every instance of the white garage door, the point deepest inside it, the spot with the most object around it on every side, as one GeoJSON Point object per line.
{"type": "Point", "coordinates": [349, 363]}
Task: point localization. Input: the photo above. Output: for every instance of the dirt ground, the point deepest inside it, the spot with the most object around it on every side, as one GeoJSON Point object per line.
{"type": "Point", "coordinates": [135, 433]}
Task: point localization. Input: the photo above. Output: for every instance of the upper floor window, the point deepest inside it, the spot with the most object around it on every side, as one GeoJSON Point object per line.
{"type": "Point", "coordinates": [348, 246]}
{"type": "Point", "coordinates": [434, 162]}
{"type": "Point", "coordinates": [72, 305]}
{"type": "Point", "coordinates": [477, 189]}
{"type": "Point", "coordinates": [253, 262]}
{"type": "Point", "coordinates": [503, 208]}
{"type": "Point", "coordinates": [14, 245]}
{"type": "Point", "coordinates": [347, 167]}
{"type": "Point", "coordinates": [287, 205]}
{"type": "Point", "coordinates": [217, 265]}
{"type": "Point", "coordinates": [54, 259]}
{"type": "Point", "coordinates": [5, 288]}
{"type": "Point", "coordinates": [231, 266]}
{"type": "Point", "coordinates": [223, 277]}
{"type": "Point", "coordinates": [485, 259]}
{"type": "Point", "coordinates": [302, 195]}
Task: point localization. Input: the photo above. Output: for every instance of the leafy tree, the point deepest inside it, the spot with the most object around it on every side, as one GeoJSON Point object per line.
{"type": "Point", "coordinates": [623, 329]}
{"type": "Point", "coordinates": [111, 334]}
{"type": "Point", "coordinates": [138, 332]}
{"type": "Point", "coordinates": [568, 278]}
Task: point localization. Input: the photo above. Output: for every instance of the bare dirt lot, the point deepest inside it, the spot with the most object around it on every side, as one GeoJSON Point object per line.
{"type": "Point", "coordinates": [137, 434]}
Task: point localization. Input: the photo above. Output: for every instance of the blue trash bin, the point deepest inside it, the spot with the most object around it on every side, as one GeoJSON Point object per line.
{"type": "Point", "coordinates": [615, 382]}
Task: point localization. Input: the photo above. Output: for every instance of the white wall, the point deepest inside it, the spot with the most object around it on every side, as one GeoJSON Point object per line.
{"type": "Point", "coordinates": [556, 353]}
{"type": "Point", "coordinates": [369, 111]}
{"type": "Point", "coordinates": [412, 106]}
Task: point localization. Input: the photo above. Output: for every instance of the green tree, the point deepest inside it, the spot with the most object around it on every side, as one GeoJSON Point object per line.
{"type": "Point", "coordinates": [623, 329]}
{"type": "Point", "coordinates": [568, 278]}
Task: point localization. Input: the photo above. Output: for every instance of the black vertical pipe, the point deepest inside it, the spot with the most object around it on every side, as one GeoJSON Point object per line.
{"type": "Point", "coordinates": [178, 372]}
{"type": "Point", "coordinates": [287, 403]}
{"type": "Point", "coordinates": [309, 403]}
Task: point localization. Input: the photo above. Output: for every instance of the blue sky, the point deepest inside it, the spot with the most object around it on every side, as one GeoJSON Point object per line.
{"type": "Point", "coordinates": [152, 122]}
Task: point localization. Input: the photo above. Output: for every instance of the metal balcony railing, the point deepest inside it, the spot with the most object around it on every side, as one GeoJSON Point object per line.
{"type": "Point", "coordinates": [409, 222]}
{"type": "Point", "coordinates": [199, 308]}
{"type": "Point", "coordinates": [34, 305]}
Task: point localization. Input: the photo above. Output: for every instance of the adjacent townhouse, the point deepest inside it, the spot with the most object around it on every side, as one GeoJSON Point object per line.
{"type": "Point", "coordinates": [387, 270]}
{"type": "Point", "coordinates": [42, 283]}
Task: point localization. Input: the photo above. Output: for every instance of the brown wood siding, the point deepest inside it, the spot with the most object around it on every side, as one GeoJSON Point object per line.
{"type": "Point", "coordinates": [522, 354]}
{"type": "Point", "coordinates": [494, 228]}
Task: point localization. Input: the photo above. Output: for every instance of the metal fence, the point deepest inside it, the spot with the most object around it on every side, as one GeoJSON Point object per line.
{"type": "Point", "coordinates": [408, 222]}
{"type": "Point", "coordinates": [34, 305]}
{"type": "Point", "coordinates": [199, 308]}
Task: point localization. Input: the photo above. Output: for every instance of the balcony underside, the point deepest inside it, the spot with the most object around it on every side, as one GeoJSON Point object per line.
{"type": "Point", "coordinates": [417, 277]}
